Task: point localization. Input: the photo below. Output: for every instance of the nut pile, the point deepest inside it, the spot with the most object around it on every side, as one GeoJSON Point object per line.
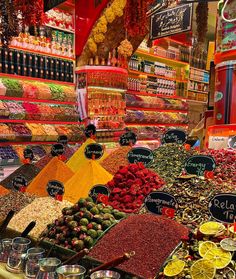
{"type": "Point", "coordinates": [169, 161]}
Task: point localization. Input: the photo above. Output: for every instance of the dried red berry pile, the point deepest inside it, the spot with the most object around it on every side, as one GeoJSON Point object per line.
{"type": "Point", "coordinates": [130, 185]}
{"type": "Point", "coordinates": [153, 238]}
{"type": "Point", "coordinates": [225, 165]}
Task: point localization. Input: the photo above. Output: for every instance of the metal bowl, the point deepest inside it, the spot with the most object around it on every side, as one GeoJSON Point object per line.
{"type": "Point", "coordinates": [71, 272]}
{"type": "Point", "coordinates": [105, 274]}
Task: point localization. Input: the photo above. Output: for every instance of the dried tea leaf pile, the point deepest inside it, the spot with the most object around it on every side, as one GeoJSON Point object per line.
{"type": "Point", "coordinates": [54, 170]}
{"type": "Point", "coordinates": [169, 161]}
{"type": "Point", "coordinates": [42, 210]}
{"type": "Point", "coordinates": [152, 237]}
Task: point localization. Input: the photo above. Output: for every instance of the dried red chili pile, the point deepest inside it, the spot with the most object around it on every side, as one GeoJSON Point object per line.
{"type": "Point", "coordinates": [225, 165]}
{"type": "Point", "coordinates": [130, 185]}
{"type": "Point", "coordinates": [153, 238]}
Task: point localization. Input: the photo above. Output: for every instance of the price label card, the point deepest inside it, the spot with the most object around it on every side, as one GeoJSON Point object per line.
{"type": "Point", "coordinates": [19, 182]}
{"type": "Point", "coordinates": [140, 154]}
{"type": "Point", "coordinates": [128, 138]}
{"type": "Point", "coordinates": [62, 139]}
{"type": "Point", "coordinates": [159, 202]}
{"type": "Point", "coordinates": [57, 149]}
{"type": "Point", "coordinates": [174, 136]}
{"type": "Point", "coordinates": [198, 164]}
{"type": "Point", "coordinates": [28, 154]}
{"type": "Point", "coordinates": [94, 151]}
{"type": "Point", "coordinates": [97, 190]}
{"type": "Point", "coordinates": [55, 188]}
{"type": "Point", "coordinates": [90, 130]}
{"type": "Point", "coordinates": [223, 207]}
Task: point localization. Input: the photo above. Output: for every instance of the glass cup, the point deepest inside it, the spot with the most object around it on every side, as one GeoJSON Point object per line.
{"type": "Point", "coordinates": [32, 261]}
{"type": "Point", "coordinates": [71, 272]}
{"type": "Point", "coordinates": [6, 246]}
{"type": "Point", "coordinates": [47, 268]}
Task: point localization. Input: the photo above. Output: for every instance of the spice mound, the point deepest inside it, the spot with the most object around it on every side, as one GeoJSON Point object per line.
{"type": "Point", "coordinates": [169, 161]}
{"type": "Point", "coordinates": [3, 191]}
{"type": "Point", "coordinates": [28, 171]}
{"type": "Point", "coordinates": [193, 196]}
{"type": "Point", "coordinates": [90, 174]}
{"type": "Point", "coordinates": [130, 186]}
{"type": "Point", "coordinates": [54, 170]}
{"type": "Point", "coordinates": [117, 159]}
{"type": "Point", "coordinates": [153, 238]}
{"type": "Point", "coordinates": [14, 201]}
{"type": "Point", "coordinates": [82, 224]}
{"type": "Point", "coordinates": [42, 210]}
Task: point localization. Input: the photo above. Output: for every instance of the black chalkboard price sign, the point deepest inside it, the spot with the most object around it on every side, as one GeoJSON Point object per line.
{"type": "Point", "coordinates": [128, 138]}
{"type": "Point", "coordinates": [49, 4]}
{"type": "Point", "coordinates": [18, 182]}
{"type": "Point", "coordinates": [93, 151]}
{"type": "Point", "coordinates": [90, 130]}
{"type": "Point", "coordinates": [198, 164]}
{"type": "Point", "coordinates": [171, 21]}
{"type": "Point", "coordinates": [55, 188]}
{"type": "Point", "coordinates": [140, 154]}
{"type": "Point", "coordinates": [223, 207]}
{"type": "Point", "coordinates": [232, 142]}
{"type": "Point", "coordinates": [98, 189]}
{"type": "Point", "coordinates": [57, 149]}
{"type": "Point", "coordinates": [28, 154]}
{"type": "Point", "coordinates": [62, 139]}
{"type": "Point", "coordinates": [174, 136]}
{"type": "Point", "coordinates": [156, 201]}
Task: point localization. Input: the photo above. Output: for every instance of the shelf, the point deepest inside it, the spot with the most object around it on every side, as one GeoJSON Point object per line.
{"type": "Point", "coordinates": [161, 58]}
{"type": "Point", "coordinates": [61, 29]}
{"type": "Point", "coordinates": [156, 76]}
{"type": "Point", "coordinates": [154, 95]}
{"type": "Point", "coordinates": [157, 109]}
{"type": "Point", "coordinates": [40, 121]}
{"type": "Point", "coordinates": [199, 81]}
{"type": "Point", "coordinates": [36, 79]}
{"type": "Point", "coordinates": [198, 91]}
{"type": "Point", "coordinates": [200, 70]}
{"type": "Point", "coordinates": [195, 101]}
{"type": "Point", "coordinates": [42, 53]}
{"type": "Point", "coordinates": [6, 143]}
{"type": "Point", "coordinates": [36, 100]}
{"type": "Point", "coordinates": [156, 125]}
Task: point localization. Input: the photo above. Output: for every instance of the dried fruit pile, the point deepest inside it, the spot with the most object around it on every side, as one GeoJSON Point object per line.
{"type": "Point", "coordinates": [225, 165]}
{"type": "Point", "coordinates": [152, 237]}
{"type": "Point", "coordinates": [82, 224]}
{"type": "Point", "coordinates": [169, 161]}
{"type": "Point", "coordinates": [193, 196]}
{"type": "Point", "coordinates": [130, 185]}
{"type": "Point", "coordinates": [206, 254]}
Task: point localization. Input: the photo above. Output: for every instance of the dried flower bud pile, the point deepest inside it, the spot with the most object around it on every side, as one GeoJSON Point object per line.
{"type": "Point", "coordinates": [169, 161]}
{"type": "Point", "coordinates": [153, 238]}
{"type": "Point", "coordinates": [116, 159]}
{"type": "Point", "coordinates": [193, 196]}
{"type": "Point", "coordinates": [82, 224]}
{"type": "Point", "coordinates": [130, 185]}
{"type": "Point", "coordinates": [225, 165]}
{"type": "Point", "coordinates": [14, 201]}
{"type": "Point", "coordinates": [41, 210]}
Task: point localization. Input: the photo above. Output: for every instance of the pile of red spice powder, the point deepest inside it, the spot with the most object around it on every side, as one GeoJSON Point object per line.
{"type": "Point", "coordinates": [130, 185]}
{"type": "Point", "coordinates": [152, 237]}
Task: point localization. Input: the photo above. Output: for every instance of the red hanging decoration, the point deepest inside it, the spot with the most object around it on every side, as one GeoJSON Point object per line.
{"type": "Point", "coordinates": [136, 18]}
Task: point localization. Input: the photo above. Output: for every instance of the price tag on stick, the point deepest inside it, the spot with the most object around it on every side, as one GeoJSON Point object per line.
{"type": "Point", "coordinates": [199, 164]}
{"type": "Point", "coordinates": [94, 151]}
{"type": "Point", "coordinates": [55, 189]}
{"type": "Point", "coordinates": [99, 191]}
{"type": "Point", "coordinates": [140, 155]}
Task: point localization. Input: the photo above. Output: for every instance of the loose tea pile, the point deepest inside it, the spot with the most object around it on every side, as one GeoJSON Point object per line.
{"type": "Point", "coordinates": [14, 201]}
{"type": "Point", "coordinates": [54, 170]}
{"type": "Point", "coordinates": [28, 171]}
{"type": "Point", "coordinates": [152, 238]}
{"type": "Point", "coordinates": [82, 224]}
{"type": "Point", "coordinates": [117, 159]}
{"type": "Point", "coordinates": [42, 210]}
{"type": "Point", "coordinates": [130, 186]}
{"type": "Point", "coordinates": [193, 196]}
{"type": "Point", "coordinates": [90, 174]}
{"type": "Point", "coordinates": [169, 161]}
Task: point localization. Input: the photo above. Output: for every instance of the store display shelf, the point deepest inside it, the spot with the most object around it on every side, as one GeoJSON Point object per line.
{"type": "Point", "coordinates": [35, 79]}
{"type": "Point", "coordinates": [225, 56]}
{"type": "Point", "coordinates": [59, 28]}
{"type": "Point", "coordinates": [195, 101]}
{"type": "Point", "coordinates": [42, 53]}
{"type": "Point", "coordinates": [198, 91]}
{"type": "Point", "coordinates": [40, 121]}
{"type": "Point", "coordinates": [200, 81]}
{"type": "Point", "coordinates": [157, 76]}
{"type": "Point", "coordinates": [6, 143]}
{"type": "Point", "coordinates": [29, 100]}
{"type": "Point", "coordinates": [161, 58]}
{"type": "Point", "coordinates": [156, 125]}
{"type": "Point", "coordinates": [107, 88]}
{"type": "Point", "coordinates": [157, 109]}
{"type": "Point", "coordinates": [197, 69]}
{"type": "Point", "coordinates": [154, 95]}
